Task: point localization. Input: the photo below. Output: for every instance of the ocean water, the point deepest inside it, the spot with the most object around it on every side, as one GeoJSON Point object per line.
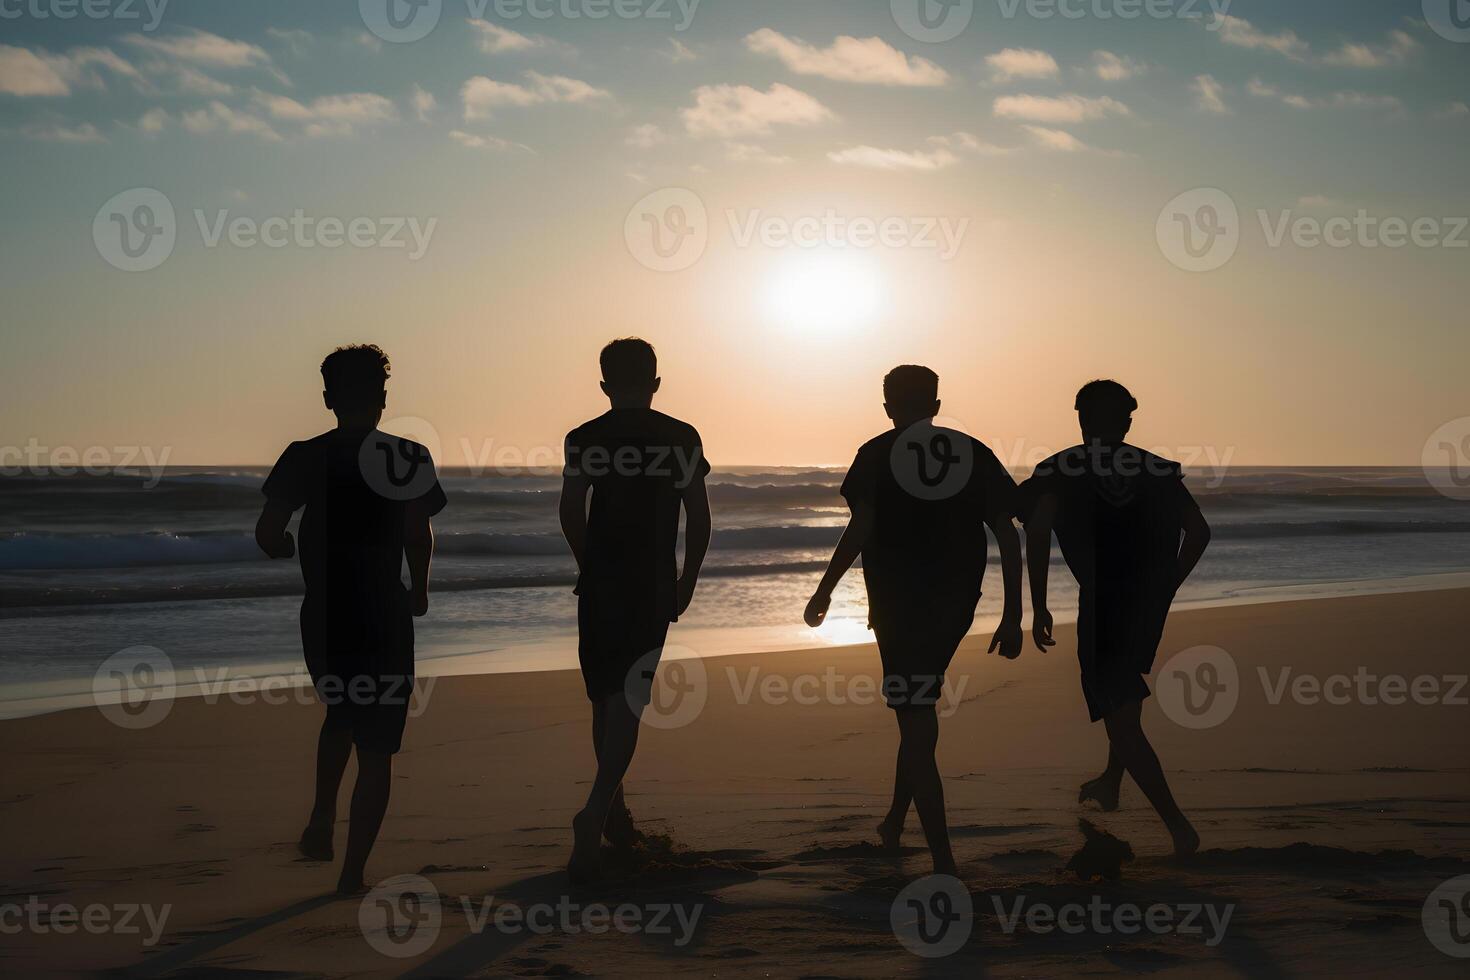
{"type": "Point", "coordinates": [91, 565]}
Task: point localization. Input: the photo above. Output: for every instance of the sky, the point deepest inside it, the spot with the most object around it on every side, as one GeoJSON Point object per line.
{"type": "Point", "coordinates": [786, 198]}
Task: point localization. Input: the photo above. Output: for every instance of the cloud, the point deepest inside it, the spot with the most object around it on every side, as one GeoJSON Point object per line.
{"type": "Point", "coordinates": [477, 142]}
{"type": "Point", "coordinates": [1056, 139]}
{"type": "Point", "coordinates": [330, 115]}
{"type": "Point", "coordinates": [875, 158]}
{"type": "Point", "coordinates": [1114, 68]}
{"type": "Point", "coordinates": [153, 121]}
{"type": "Point", "coordinates": [203, 48]}
{"type": "Point", "coordinates": [423, 103]}
{"type": "Point", "coordinates": [1058, 109]}
{"type": "Point", "coordinates": [28, 73]}
{"type": "Point", "coordinates": [1337, 100]}
{"type": "Point", "coordinates": [195, 82]}
{"type": "Point", "coordinates": [221, 116]}
{"type": "Point", "coordinates": [366, 39]}
{"type": "Point", "coordinates": [1021, 63]}
{"type": "Point", "coordinates": [482, 96]}
{"type": "Point", "coordinates": [1455, 110]}
{"type": "Point", "coordinates": [494, 39]}
{"type": "Point", "coordinates": [1241, 33]}
{"type": "Point", "coordinates": [739, 110]}
{"type": "Point", "coordinates": [869, 60]}
{"type": "Point", "coordinates": [679, 52]}
{"type": "Point", "coordinates": [1208, 95]}
{"type": "Point", "coordinates": [1395, 51]}
{"type": "Point", "coordinates": [59, 133]}
{"type": "Point", "coordinates": [296, 41]}
{"type": "Point", "coordinates": [645, 136]}
{"type": "Point", "coordinates": [750, 153]}
{"type": "Point", "coordinates": [970, 142]}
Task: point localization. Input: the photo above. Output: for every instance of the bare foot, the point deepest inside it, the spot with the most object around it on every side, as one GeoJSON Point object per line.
{"type": "Point", "coordinates": [888, 835]}
{"type": "Point", "coordinates": [1101, 790]}
{"type": "Point", "coordinates": [1186, 841]}
{"type": "Point", "coordinates": [350, 884]}
{"type": "Point", "coordinates": [586, 862]}
{"type": "Point", "coordinates": [316, 843]}
{"type": "Point", "coordinates": [620, 830]}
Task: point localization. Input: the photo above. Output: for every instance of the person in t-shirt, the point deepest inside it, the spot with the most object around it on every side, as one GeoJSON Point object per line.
{"type": "Point", "coordinates": [921, 496]}
{"type": "Point", "coordinates": [640, 468]}
{"type": "Point", "coordinates": [368, 497]}
{"type": "Point", "coordinates": [1131, 533]}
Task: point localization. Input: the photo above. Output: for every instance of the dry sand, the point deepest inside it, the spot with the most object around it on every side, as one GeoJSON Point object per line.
{"type": "Point", "coordinates": [1325, 826]}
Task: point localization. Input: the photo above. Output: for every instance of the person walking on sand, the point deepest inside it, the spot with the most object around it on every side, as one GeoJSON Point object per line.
{"type": "Point", "coordinates": [921, 496]}
{"type": "Point", "coordinates": [1130, 533]}
{"type": "Point", "coordinates": [640, 468]}
{"type": "Point", "coordinates": [369, 497]}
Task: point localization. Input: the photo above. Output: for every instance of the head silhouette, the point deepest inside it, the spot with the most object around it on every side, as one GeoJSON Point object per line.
{"type": "Point", "coordinates": [1105, 410]}
{"type": "Point", "coordinates": [355, 380]}
{"type": "Point", "coordinates": [629, 372]}
{"type": "Point", "coordinates": [910, 394]}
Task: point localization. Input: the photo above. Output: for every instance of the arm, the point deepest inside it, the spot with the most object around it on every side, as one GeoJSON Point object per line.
{"type": "Point", "coordinates": [848, 548]}
{"type": "Point", "coordinates": [573, 511]}
{"type": "Point", "coordinates": [418, 546]}
{"type": "Point", "coordinates": [1038, 564]}
{"type": "Point", "coordinates": [1196, 538]}
{"type": "Point", "coordinates": [696, 539]}
{"type": "Point", "coordinates": [270, 531]}
{"type": "Point", "coordinates": [1008, 635]}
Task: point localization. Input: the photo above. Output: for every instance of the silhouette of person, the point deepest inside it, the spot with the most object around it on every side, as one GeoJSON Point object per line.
{"type": "Point", "coordinates": [920, 496]}
{"type": "Point", "coordinates": [1130, 533]}
{"type": "Point", "coordinates": [369, 497]}
{"type": "Point", "coordinates": [639, 467]}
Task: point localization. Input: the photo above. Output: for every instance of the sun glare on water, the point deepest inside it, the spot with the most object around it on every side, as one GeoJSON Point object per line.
{"type": "Point", "coordinates": [824, 292]}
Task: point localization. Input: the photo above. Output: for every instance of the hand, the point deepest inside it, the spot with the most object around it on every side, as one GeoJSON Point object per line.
{"type": "Point", "coordinates": [1041, 629]}
{"type": "Point", "coordinates": [419, 600]}
{"type": "Point", "coordinates": [286, 547]}
{"type": "Point", "coordinates": [1007, 638]}
{"type": "Point", "coordinates": [685, 592]}
{"type": "Point", "coordinates": [816, 609]}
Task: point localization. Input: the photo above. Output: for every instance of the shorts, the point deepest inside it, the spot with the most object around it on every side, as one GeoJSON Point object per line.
{"type": "Point", "coordinates": [916, 652]}
{"type": "Point", "coordinates": [619, 644]}
{"type": "Point", "coordinates": [362, 668]}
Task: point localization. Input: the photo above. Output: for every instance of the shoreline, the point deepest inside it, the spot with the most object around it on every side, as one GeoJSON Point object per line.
{"type": "Point", "coordinates": [557, 653]}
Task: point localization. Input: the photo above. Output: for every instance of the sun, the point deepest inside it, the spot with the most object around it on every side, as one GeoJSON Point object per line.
{"type": "Point", "coordinates": [824, 291]}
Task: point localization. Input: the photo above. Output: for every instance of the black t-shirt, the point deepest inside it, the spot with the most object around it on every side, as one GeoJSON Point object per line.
{"type": "Point", "coordinates": [356, 488]}
{"type": "Point", "coordinates": [1120, 515]}
{"type": "Point", "coordinates": [929, 489]}
{"type": "Point", "coordinates": [639, 462]}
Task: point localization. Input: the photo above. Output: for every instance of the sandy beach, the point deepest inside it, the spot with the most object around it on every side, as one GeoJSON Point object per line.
{"type": "Point", "coordinates": [1326, 825]}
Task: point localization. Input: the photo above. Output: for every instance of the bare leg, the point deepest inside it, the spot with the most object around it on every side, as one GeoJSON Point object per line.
{"type": "Point", "coordinates": [892, 826]}
{"type": "Point", "coordinates": [615, 754]}
{"type": "Point", "coordinates": [619, 828]}
{"type": "Point", "coordinates": [333, 749]}
{"type": "Point", "coordinates": [369, 804]}
{"type": "Point", "coordinates": [1105, 788]}
{"type": "Point", "coordinates": [1125, 732]}
{"type": "Point", "coordinates": [918, 738]}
